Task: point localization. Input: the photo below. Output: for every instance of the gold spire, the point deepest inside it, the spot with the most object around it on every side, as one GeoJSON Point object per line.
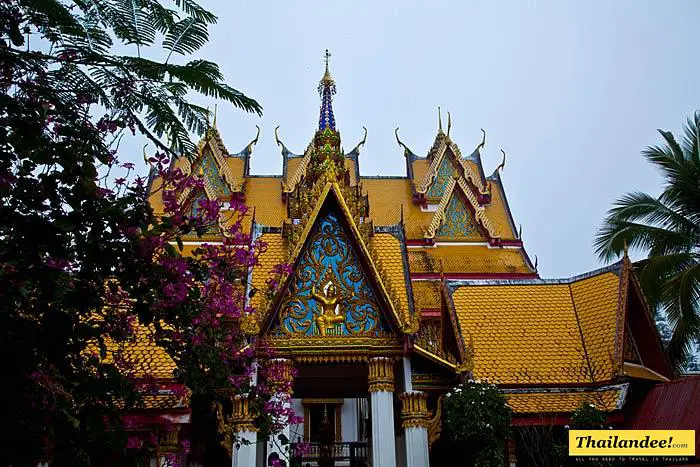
{"type": "Point", "coordinates": [327, 79]}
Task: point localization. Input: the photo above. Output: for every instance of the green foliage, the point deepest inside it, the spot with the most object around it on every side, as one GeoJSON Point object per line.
{"type": "Point", "coordinates": [148, 93]}
{"type": "Point", "coordinates": [543, 445]}
{"type": "Point", "coordinates": [588, 417]}
{"type": "Point", "coordinates": [478, 418]}
{"type": "Point", "coordinates": [71, 236]}
{"type": "Point", "coordinates": [667, 228]}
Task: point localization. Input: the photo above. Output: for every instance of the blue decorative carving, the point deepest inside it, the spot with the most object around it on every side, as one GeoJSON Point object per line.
{"type": "Point", "coordinates": [442, 178]}
{"type": "Point", "coordinates": [196, 208]}
{"type": "Point", "coordinates": [330, 259]}
{"type": "Point", "coordinates": [458, 221]}
{"type": "Point", "coordinates": [211, 173]}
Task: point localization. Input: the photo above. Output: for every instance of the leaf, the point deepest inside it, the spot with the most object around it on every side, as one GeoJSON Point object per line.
{"type": "Point", "coordinates": [185, 37]}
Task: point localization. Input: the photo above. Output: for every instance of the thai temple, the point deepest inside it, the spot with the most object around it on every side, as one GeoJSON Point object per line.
{"type": "Point", "coordinates": [400, 288]}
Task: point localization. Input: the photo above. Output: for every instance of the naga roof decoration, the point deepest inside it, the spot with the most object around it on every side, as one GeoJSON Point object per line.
{"type": "Point", "coordinates": [210, 164]}
{"type": "Point", "coordinates": [443, 147]}
{"type": "Point", "coordinates": [248, 149]}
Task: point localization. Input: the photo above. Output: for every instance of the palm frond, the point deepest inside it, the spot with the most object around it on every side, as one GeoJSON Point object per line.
{"type": "Point", "coordinates": [613, 235]}
{"type": "Point", "coordinates": [681, 302]}
{"type": "Point", "coordinates": [691, 138]}
{"type": "Point", "coordinates": [641, 207]}
{"type": "Point", "coordinates": [654, 272]}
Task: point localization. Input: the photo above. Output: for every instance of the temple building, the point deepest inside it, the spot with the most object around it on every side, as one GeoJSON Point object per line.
{"type": "Point", "coordinates": [403, 286]}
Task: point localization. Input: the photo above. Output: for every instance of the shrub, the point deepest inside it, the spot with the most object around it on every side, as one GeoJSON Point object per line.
{"type": "Point", "coordinates": [478, 419]}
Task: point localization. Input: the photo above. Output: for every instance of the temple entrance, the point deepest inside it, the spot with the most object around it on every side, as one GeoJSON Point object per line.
{"type": "Point", "coordinates": [323, 420]}
{"type": "Point", "coordinates": [334, 429]}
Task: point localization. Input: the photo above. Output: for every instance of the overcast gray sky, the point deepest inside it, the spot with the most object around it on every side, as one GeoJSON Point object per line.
{"type": "Point", "coordinates": [571, 90]}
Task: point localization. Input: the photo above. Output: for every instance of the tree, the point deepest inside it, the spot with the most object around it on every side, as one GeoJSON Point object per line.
{"type": "Point", "coordinates": [478, 418]}
{"type": "Point", "coordinates": [667, 228]}
{"type": "Point", "coordinates": [85, 264]}
{"type": "Point", "coordinates": [588, 417]}
{"type": "Point", "coordinates": [543, 444]}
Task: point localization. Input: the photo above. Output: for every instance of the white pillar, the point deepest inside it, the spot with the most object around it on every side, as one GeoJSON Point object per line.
{"type": "Point", "coordinates": [281, 372]}
{"type": "Point", "coordinates": [245, 454]}
{"type": "Point", "coordinates": [274, 444]}
{"type": "Point", "coordinates": [416, 446]}
{"type": "Point", "coordinates": [381, 389]}
{"type": "Point", "coordinates": [244, 450]}
{"type": "Point", "coordinates": [406, 375]}
{"type": "Point", "coordinates": [414, 419]}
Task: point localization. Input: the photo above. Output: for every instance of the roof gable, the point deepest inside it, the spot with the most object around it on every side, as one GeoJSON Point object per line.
{"type": "Point", "coordinates": [458, 221]}
{"type": "Point", "coordinates": [454, 187]}
{"type": "Point", "coordinates": [329, 292]}
{"type": "Point", "coordinates": [331, 251]}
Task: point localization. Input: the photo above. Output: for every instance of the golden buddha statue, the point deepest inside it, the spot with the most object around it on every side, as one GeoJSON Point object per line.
{"type": "Point", "coordinates": [328, 318]}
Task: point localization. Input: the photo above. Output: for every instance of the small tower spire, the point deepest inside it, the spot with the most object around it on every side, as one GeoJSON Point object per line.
{"type": "Point", "coordinates": [326, 88]}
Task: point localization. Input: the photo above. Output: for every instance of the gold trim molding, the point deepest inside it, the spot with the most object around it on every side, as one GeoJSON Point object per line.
{"type": "Point", "coordinates": [242, 417]}
{"type": "Point", "coordinates": [281, 372]}
{"type": "Point", "coordinates": [381, 374]}
{"type": "Point", "coordinates": [414, 410]}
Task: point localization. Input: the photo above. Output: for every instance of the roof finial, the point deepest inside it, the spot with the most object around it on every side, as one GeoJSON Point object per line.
{"type": "Point", "coordinates": [625, 248]}
{"type": "Point", "coordinates": [406, 152]}
{"type": "Point", "coordinates": [356, 150]}
{"type": "Point", "coordinates": [216, 107]}
{"type": "Point", "coordinates": [327, 74]}
{"type": "Point", "coordinates": [502, 164]}
{"type": "Point", "coordinates": [326, 88]}
{"type": "Point", "coordinates": [483, 141]}
{"type": "Point", "coordinates": [449, 123]}
{"type": "Point", "coordinates": [439, 120]}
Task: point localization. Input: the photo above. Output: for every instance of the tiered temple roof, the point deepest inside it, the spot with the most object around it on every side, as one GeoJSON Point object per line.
{"type": "Point", "coordinates": [442, 259]}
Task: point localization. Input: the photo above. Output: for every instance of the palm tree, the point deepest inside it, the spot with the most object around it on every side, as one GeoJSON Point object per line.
{"type": "Point", "coordinates": [667, 227]}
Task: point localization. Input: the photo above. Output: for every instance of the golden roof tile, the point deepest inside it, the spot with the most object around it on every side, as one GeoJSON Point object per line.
{"type": "Point", "coordinates": [522, 334]}
{"type": "Point", "coordinates": [388, 256]}
{"type": "Point", "coordinates": [596, 301]}
{"type": "Point", "coordinates": [497, 212]}
{"type": "Point", "coordinates": [607, 399]}
{"type": "Point", "coordinates": [273, 255]}
{"type": "Point", "coordinates": [420, 168]}
{"type": "Point", "coordinates": [146, 358]}
{"type": "Point", "coordinates": [540, 332]}
{"type": "Point", "coordinates": [468, 259]}
{"type": "Point", "coordinates": [386, 196]}
{"type": "Point", "coordinates": [427, 295]}
{"type": "Point", "coordinates": [264, 194]}
{"type": "Point", "coordinates": [164, 401]}
{"type": "Point", "coordinates": [236, 167]}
